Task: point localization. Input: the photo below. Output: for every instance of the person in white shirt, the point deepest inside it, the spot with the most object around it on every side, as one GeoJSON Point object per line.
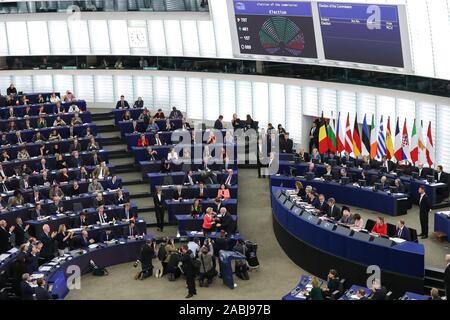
{"type": "Point", "coordinates": [54, 98]}
{"type": "Point", "coordinates": [194, 246]}
{"type": "Point", "coordinates": [172, 155]}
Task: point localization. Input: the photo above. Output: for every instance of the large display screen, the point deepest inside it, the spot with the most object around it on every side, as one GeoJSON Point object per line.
{"type": "Point", "coordinates": [361, 33]}
{"type": "Point", "coordinates": [279, 28]}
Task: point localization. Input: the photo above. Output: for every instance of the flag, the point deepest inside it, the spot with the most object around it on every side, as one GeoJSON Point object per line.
{"type": "Point", "coordinates": [381, 143]}
{"type": "Point", "coordinates": [348, 136]}
{"type": "Point", "coordinates": [340, 137]}
{"type": "Point", "coordinates": [356, 141]}
{"type": "Point", "coordinates": [365, 138]}
{"type": "Point", "coordinates": [373, 140]}
{"type": "Point", "coordinates": [421, 144]}
{"type": "Point", "coordinates": [389, 145]}
{"type": "Point", "coordinates": [332, 146]}
{"type": "Point", "coordinates": [323, 140]}
{"type": "Point", "coordinates": [405, 143]}
{"type": "Point", "coordinates": [430, 146]}
{"type": "Point", "coordinates": [398, 143]}
{"type": "Point", "coordinates": [414, 144]}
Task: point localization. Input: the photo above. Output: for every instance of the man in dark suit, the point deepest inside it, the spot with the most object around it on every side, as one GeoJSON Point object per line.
{"type": "Point", "coordinates": [131, 231]}
{"type": "Point", "coordinates": [384, 184]}
{"type": "Point", "coordinates": [311, 169]}
{"type": "Point", "coordinates": [229, 179]}
{"type": "Point", "coordinates": [421, 171]}
{"type": "Point", "coordinates": [440, 175]}
{"type": "Point", "coordinates": [20, 232]}
{"type": "Point", "coordinates": [424, 210]}
{"type": "Point", "coordinates": [314, 136]}
{"type": "Point", "coordinates": [313, 200]}
{"type": "Point", "coordinates": [347, 161]}
{"type": "Point", "coordinates": [5, 234]}
{"type": "Point", "coordinates": [41, 292]}
{"type": "Point", "coordinates": [447, 276]}
{"type": "Point", "coordinates": [399, 185]}
{"type": "Point", "coordinates": [82, 240]}
{"type": "Point", "coordinates": [75, 160]}
{"type": "Point", "coordinates": [379, 291]}
{"type": "Point", "coordinates": [122, 103]}
{"type": "Point", "coordinates": [158, 200]}
{"type": "Point", "coordinates": [189, 179]}
{"type": "Point", "coordinates": [48, 243]}
{"type": "Point", "coordinates": [332, 283]}
{"type": "Point", "coordinates": [333, 212]}
{"type": "Point", "coordinates": [218, 125]}
{"type": "Point", "coordinates": [286, 144]}
{"type": "Point", "coordinates": [26, 291]}
{"type": "Point", "coordinates": [323, 205]}
{"type": "Point", "coordinates": [107, 236]}
{"type": "Point", "coordinates": [402, 231]}
{"type": "Point", "coordinates": [387, 165]}
{"type": "Point", "coordinates": [81, 221]}
{"type": "Point", "coordinates": [94, 159]}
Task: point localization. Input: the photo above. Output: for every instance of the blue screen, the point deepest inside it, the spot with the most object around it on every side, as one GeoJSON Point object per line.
{"type": "Point", "coordinates": [279, 28]}
{"type": "Point", "coordinates": [361, 33]}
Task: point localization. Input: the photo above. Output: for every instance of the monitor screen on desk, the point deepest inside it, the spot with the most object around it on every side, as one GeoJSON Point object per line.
{"type": "Point", "coordinates": [344, 230]}
{"type": "Point", "coordinates": [393, 189]}
{"type": "Point", "coordinates": [386, 242]}
{"type": "Point", "coordinates": [363, 236]}
{"type": "Point", "coordinates": [415, 175]}
{"type": "Point", "coordinates": [362, 182]}
{"type": "Point", "coordinates": [376, 186]}
{"type": "Point", "coordinates": [309, 176]}
{"type": "Point", "coordinates": [345, 180]}
{"type": "Point", "coordinates": [327, 177]}
{"type": "Point", "coordinates": [430, 178]}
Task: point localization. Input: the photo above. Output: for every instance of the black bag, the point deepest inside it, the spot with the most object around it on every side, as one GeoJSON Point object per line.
{"type": "Point", "coordinates": [162, 253]}
{"type": "Point", "coordinates": [196, 266]}
{"type": "Point", "coordinates": [100, 272]}
{"type": "Point", "coordinates": [241, 271]}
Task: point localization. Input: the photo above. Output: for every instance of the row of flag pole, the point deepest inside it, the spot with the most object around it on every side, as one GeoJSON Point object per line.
{"type": "Point", "coordinates": [375, 143]}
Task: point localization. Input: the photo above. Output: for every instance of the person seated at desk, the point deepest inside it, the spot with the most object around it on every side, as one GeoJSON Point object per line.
{"type": "Point", "coordinates": [235, 122]}
{"type": "Point", "coordinates": [223, 193]}
{"type": "Point", "coordinates": [421, 171]}
{"type": "Point", "coordinates": [300, 190]}
{"type": "Point", "coordinates": [82, 174]}
{"type": "Point", "coordinates": [311, 169]}
{"type": "Point", "coordinates": [127, 214]}
{"type": "Point", "coordinates": [73, 108]}
{"type": "Point", "coordinates": [4, 185]}
{"type": "Point", "coordinates": [83, 241]}
{"type": "Point", "coordinates": [75, 160]}
{"type": "Point", "coordinates": [131, 231]}
{"type": "Point", "coordinates": [167, 126]}
{"type": "Point", "coordinates": [12, 127]}
{"type": "Point", "coordinates": [23, 154]}
{"type": "Point", "coordinates": [165, 166]}
{"type": "Point", "coordinates": [399, 185]}
{"type": "Point", "coordinates": [153, 126]}
{"type": "Point", "coordinates": [185, 125]}
{"type": "Point", "coordinates": [76, 120]}
{"type": "Point", "coordinates": [364, 162]}
{"type": "Point", "coordinates": [379, 291]}
{"type": "Point", "coordinates": [386, 165]}
{"type": "Point", "coordinates": [380, 228]}
{"type": "Point", "coordinates": [127, 116]}
{"type": "Point", "coordinates": [332, 283]}
{"type": "Point", "coordinates": [16, 200]}
{"type": "Point", "coordinates": [196, 209]}
{"type": "Point", "coordinates": [98, 201]}
{"type": "Point", "coordinates": [342, 175]}
{"type": "Point", "coordinates": [81, 221]}
{"type": "Point", "coordinates": [55, 191]}
{"type": "Point", "coordinates": [346, 160]}
{"type": "Point", "coordinates": [3, 203]}
{"type": "Point", "coordinates": [347, 217]}
{"type": "Point", "coordinates": [41, 123]}
{"type": "Point", "coordinates": [175, 114]}
{"type": "Point", "coordinates": [11, 90]}
{"type": "Point", "coordinates": [19, 139]}
{"type": "Point", "coordinates": [102, 217]}
{"type": "Point", "coordinates": [60, 163]}
{"type": "Point", "coordinates": [322, 206]}
{"type": "Point", "coordinates": [101, 171]}
{"type": "Point", "coordinates": [189, 179]}
{"type": "Point", "coordinates": [384, 184]}
{"type": "Point", "coordinates": [329, 157]}
{"type": "Point", "coordinates": [92, 145]}
{"type": "Point", "coordinates": [142, 141]}
{"type": "Point", "coordinates": [139, 103]}
{"type": "Point", "coordinates": [37, 213]}
{"type": "Point", "coordinates": [200, 193]}
{"type": "Point", "coordinates": [54, 98]}
{"type": "Point", "coordinates": [152, 155]}
{"type": "Point", "coordinates": [88, 133]}
{"type": "Point", "coordinates": [440, 176]}
{"type": "Point", "coordinates": [59, 122]}
{"type": "Point", "coordinates": [329, 171]}
{"type": "Point", "coordinates": [122, 103]}
{"type": "Point", "coordinates": [364, 176]}
{"type": "Point", "coordinates": [113, 183]}
{"type": "Point", "coordinates": [145, 117]}
{"type": "Point", "coordinates": [402, 231]}
{"type": "Point", "coordinates": [218, 124]}
{"type": "Point", "coordinates": [159, 114]}
{"type": "Point", "coordinates": [63, 239]}
{"type": "Point", "coordinates": [107, 236]}
{"type": "Point", "coordinates": [54, 136]}
{"type": "Point", "coordinates": [75, 190]}
{"type": "Point", "coordinates": [172, 155]}
{"type": "Point", "coordinates": [229, 179]}
{"type": "Point", "coordinates": [94, 159]}
{"type": "Point", "coordinates": [358, 222]}
{"type": "Point", "coordinates": [24, 170]}
{"type": "Point", "coordinates": [94, 186]}
{"type": "Point", "coordinates": [434, 294]}
{"type": "Point", "coordinates": [178, 193]}
{"type": "Point", "coordinates": [286, 144]}
{"type": "Point", "coordinates": [334, 211]}
{"type": "Point", "coordinates": [57, 206]}
{"type": "Point", "coordinates": [45, 179]}
{"type": "Point", "coordinates": [313, 200]}
{"type": "Point", "coordinates": [301, 155]}
{"type": "Point", "coordinates": [316, 292]}
{"type": "Point", "coordinates": [4, 141]}
{"type": "Point", "coordinates": [119, 198]}
{"type": "Point", "coordinates": [315, 156]}
{"type": "Point", "coordinates": [361, 294]}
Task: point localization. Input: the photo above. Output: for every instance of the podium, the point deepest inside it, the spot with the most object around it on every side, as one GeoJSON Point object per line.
{"type": "Point", "coordinates": [226, 270]}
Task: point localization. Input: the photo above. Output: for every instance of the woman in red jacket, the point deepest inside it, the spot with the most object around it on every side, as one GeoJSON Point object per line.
{"type": "Point", "coordinates": [142, 141]}
{"type": "Point", "coordinates": [208, 221]}
{"type": "Point", "coordinates": [380, 227]}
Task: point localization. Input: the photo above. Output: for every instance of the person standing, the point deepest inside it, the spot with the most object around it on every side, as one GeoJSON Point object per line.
{"type": "Point", "coordinates": [188, 269]}
{"type": "Point", "coordinates": [158, 200]}
{"type": "Point", "coordinates": [314, 135]}
{"type": "Point", "coordinates": [447, 276]}
{"type": "Point", "coordinates": [424, 210]}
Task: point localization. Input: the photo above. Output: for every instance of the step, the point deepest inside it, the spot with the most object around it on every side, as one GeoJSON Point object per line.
{"type": "Point", "coordinates": [126, 170]}
{"type": "Point", "coordinates": [114, 154]}
{"type": "Point", "coordinates": [111, 141]}
{"type": "Point", "coordinates": [434, 282]}
{"type": "Point", "coordinates": [441, 205]}
{"type": "Point", "coordinates": [434, 272]}
{"type": "Point", "coordinates": [106, 128]}
{"type": "Point", "coordinates": [140, 195]}
{"type": "Point", "coordinates": [146, 209]}
{"type": "Point", "coordinates": [133, 182]}
{"type": "Point", "coordinates": [102, 116]}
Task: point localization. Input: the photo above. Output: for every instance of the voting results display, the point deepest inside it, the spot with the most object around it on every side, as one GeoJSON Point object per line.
{"type": "Point", "coordinates": [275, 28]}
{"type": "Point", "coordinates": [361, 33]}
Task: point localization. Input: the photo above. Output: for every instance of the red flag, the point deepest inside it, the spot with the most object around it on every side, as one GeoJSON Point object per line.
{"type": "Point", "coordinates": [430, 146]}
{"type": "Point", "coordinates": [348, 136]}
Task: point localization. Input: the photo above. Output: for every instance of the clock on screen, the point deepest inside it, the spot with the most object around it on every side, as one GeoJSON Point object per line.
{"type": "Point", "coordinates": [137, 37]}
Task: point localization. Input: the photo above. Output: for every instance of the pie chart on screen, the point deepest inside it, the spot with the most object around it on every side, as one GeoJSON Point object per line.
{"type": "Point", "coordinates": [279, 35]}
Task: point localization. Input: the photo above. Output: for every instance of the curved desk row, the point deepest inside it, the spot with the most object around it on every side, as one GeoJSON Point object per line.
{"type": "Point", "coordinates": [317, 248]}
{"type": "Point", "coordinates": [175, 207]}
{"type": "Point", "coordinates": [391, 204]}
{"type": "Point", "coordinates": [154, 166]}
